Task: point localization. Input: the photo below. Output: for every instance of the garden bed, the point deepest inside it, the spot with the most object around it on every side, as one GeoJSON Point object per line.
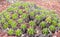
{"type": "Point", "coordinates": [23, 19]}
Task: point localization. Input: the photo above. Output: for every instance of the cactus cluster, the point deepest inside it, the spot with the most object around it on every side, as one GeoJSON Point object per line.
{"type": "Point", "coordinates": [24, 16]}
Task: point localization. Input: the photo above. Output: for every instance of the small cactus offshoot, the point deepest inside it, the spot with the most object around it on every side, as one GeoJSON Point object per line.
{"type": "Point", "coordinates": [32, 13]}
{"type": "Point", "coordinates": [43, 24]}
{"type": "Point", "coordinates": [48, 19]}
{"type": "Point", "coordinates": [32, 23]}
{"type": "Point", "coordinates": [23, 26]}
{"type": "Point", "coordinates": [31, 31]}
{"type": "Point", "coordinates": [10, 31]}
{"type": "Point", "coordinates": [24, 16]}
{"type": "Point", "coordinates": [13, 24]}
{"type": "Point", "coordinates": [18, 32]}
{"type": "Point", "coordinates": [7, 16]}
{"type": "Point", "coordinates": [58, 24]}
{"type": "Point", "coordinates": [3, 20]}
{"type": "Point", "coordinates": [54, 23]}
{"type": "Point", "coordinates": [10, 9]}
{"type": "Point", "coordinates": [52, 28]}
{"type": "Point", "coordinates": [14, 16]}
{"type": "Point", "coordinates": [38, 17]}
{"type": "Point", "coordinates": [5, 25]}
{"type": "Point", "coordinates": [45, 31]}
{"type": "Point", "coordinates": [20, 20]}
{"type": "Point", "coordinates": [20, 11]}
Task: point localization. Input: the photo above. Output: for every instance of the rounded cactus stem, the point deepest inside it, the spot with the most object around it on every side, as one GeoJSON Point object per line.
{"type": "Point", "coordinates": [18, 32]}
{"type": "Point", "coordinates": [20, 20]}
{"type": "Point", "coordinates": [10, 31]}
{"type": "Point", "coordinates": [43, 24]}
{"type": "Point", "coordinates": [32, 23]}
{"type": "Point", "coordinates": [23, 26]}
{"type": "Point", "coordinates": [24, 15]}
{"type": "Point", "coordinates": [52, 28]}
{"type": "Point", "coordinates": [31, 31]}
{"type": "Point", "coordinates": [48, 19]}
{"type": "Point", "coordinates": [54, 23]}
{"type": "Point", "coordinates": [5, 25]}
{"type": "Point", "coordinates": [45, 31]}
{"type": "Point", "coordinates": [20, 12]}
{"type": "Point", "coordinates": [14, 16]}
{"type": "Point", "coordinates": [58, 25]}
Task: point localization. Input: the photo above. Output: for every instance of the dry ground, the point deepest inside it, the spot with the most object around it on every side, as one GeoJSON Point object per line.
{"type": "Point", "coordinates": [52, 4]}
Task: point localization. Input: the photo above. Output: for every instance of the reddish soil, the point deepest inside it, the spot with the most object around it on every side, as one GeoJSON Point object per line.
{"type": "Point", "coordinates": [3, 5]}
{"type": "Point", "coordinates": [57, 34]}
{"type": "Point", "coordinates": [4, 34]}
{"type": "Point", "coordinates": [52, 4]}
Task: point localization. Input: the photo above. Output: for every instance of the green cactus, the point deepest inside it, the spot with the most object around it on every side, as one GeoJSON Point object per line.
{"type": "Point", "coordinates": [7, 16]}
{"type": "Point", "coordinates": [15, 8]}
{"type": "Point", "coordinates": [36, 10]}
{"type": "Point", "coordinates": [42, 15]}
{"type": "Point", "coordinates": [54, 15]}
{"type": "Point", "coordinates": [23, 26]}
{"type": "Point", "coordinates": [10, 9]}
{"type": "Point", "coordinates": [25, 5]}
{"type": "Point", "coordinates": [16, 4]}
{"type": "Point", "coordinates": [5, 25]}
{"type": "Point", "coordinates": [38, 17]}
{"type": "Point", "coordinates": [58, 24]}
{"type": "Point", "coordinates": [32, 13]}
{"type": "Point", "coordinates": [52, 28]}
{"type": "Point", "coordinates": [42, 10]}
{"type": "Point", "coordinates": [48, 19]}
{"type": "Point", "coordinates": [3, 20]}
{"type": "Point", "coordinates": [10, 31]}
{"type": "Point", "coordinates": [18, 32]}
{"type": "Point", "coordinates": [43, 24]}
{"type": "Point", "coordinates": [10, 21]}
{"type": "Point", "coordinates": [55, 19]}
{"type": "Point", "coordinates": [31, 31]}
{"type": "Point", "coordinates": [32, 23]}
{"type": "Point", "coordinates": [24, 16]}
{"type": "Point", "coordinates": [27, 9]}
{"type": "Point", "coordinates": [20, 11]}
{"type": "Point", "coordinates": [14, 16]}
{"type": "Point", "coordinates": [54, 23]}
{"type": "Point", "coordinates": [20, 20]}
{"type": "Point", "coordinates": [13, 24]}
{"type": "Point", "coordinates": [45, 31]}
{"type": "Point", "coordinates": [6, 13]}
